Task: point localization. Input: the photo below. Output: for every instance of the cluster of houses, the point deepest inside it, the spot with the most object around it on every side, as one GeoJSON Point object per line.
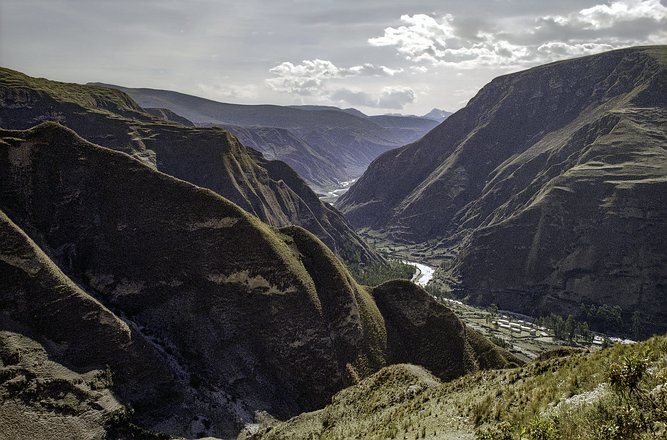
{"type": "Point", "coordinates": [521, 326]}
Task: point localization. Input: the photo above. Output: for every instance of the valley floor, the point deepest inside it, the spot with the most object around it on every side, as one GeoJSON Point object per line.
{"type": "Point", "coordinates": [331, 194]}
{"type": "Point", "coordinates": [517, 333]}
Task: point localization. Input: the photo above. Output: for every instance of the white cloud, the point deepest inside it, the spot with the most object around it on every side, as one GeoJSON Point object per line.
{"type": "Point", "coordinates": [423, 39]}
{"type": "Point", "coordinates": [556, 49]}
{"type": "Point", "coordinates": [418, 69]}
{"type": "Point", "coordinates": [390, 98]}
{"type": "Point", "coordinates": [324, 81]}
{"type": "Point", "coordinates": [228, 91]}
{"type": "Point", "coordinates": [302, 79]}
{"type": "Point", "coordinates": [309, 77]}
{"type": "Point", "coordinates": [607, 16]}
{"type": "Point", "coordinates": [372, 70]}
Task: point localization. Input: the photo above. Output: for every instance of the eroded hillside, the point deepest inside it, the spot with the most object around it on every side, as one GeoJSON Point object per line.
{"type": "Point", "coordinates": [208, 319]}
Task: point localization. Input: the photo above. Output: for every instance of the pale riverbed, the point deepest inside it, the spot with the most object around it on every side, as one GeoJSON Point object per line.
{"type": "Point", "coordinates": [423, 275]}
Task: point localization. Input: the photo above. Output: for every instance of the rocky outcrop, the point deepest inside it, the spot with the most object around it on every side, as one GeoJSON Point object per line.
{"type": "Point", "coordinates": [548, 187]}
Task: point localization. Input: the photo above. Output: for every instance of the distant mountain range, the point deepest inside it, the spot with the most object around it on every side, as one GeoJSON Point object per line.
{"type": "Point", "coordinates": [437, 115]}
{"type": "Point", "coordinates": [549, 190]}
{"type": "Point", "coordinates": [325, 145]}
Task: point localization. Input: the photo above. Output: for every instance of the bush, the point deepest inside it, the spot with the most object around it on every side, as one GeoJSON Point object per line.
{"type": "Point", "coordinates": [542, 429]}
{"type": "Point", "coordinates": [625, 379]}
{"type": "Point", "coordinates": [502, 431]}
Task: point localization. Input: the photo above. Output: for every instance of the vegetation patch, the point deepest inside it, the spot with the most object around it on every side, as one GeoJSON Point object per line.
{"type": "Point", "coordinates": [377, 272]}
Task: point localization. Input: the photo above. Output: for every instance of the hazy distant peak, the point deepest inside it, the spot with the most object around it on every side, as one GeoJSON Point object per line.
{"type": "Point", "coordinates": [437, 114]}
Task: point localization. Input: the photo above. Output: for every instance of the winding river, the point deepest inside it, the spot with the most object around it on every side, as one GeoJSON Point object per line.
{"type": "Point", "coordinates": [423, 275]}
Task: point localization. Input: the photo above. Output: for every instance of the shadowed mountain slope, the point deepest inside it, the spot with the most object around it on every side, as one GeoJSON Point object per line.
{"type": "Point", "coordinates": [562, 167]}
{"type": "Point", "coordinates": [335, 144]}
{"type": "Point", "coordinates": [168, 115]}
{"type": "Point", "coordinates": [283, 144]}
{"type": "Point", "coordinates": [208, 157]}
{"type": "Point", "coordinates": [223, 318]}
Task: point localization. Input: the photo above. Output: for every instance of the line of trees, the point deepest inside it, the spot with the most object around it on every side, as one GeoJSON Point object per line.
{"type": "Point", "coordinates": [602, 318]}
{"type": "Point", "coordinates": [567, 329]}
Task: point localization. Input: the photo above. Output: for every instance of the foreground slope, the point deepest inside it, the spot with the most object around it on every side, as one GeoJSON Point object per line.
{"type": "Point", "coordinates": [565, 396]}
{"type": "Point", "coordinates": [206, 318]}
{"type": "Point", "coordinates": [210, 158]}
{"type": "Point", "coordinates": [563, 167]}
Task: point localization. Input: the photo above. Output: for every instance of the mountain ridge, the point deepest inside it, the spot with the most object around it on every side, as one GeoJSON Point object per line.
{"type": "Point", "coordinates": [340, 142]}
{"type": "Point", "coordinates": [208, 157]}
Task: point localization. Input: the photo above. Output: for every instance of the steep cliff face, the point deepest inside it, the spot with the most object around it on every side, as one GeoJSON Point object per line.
{"type": "Point", "coordinates": [283, 144]}
{"type": "Point", "coordinates": [207, 157]}
{"type": "Point", "coordinates": [206, 315]}
{"type": "Point", "coordinates": [549, 185]}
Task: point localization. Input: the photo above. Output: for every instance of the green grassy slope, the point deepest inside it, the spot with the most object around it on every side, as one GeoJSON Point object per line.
{"type": "Point", "coordinates": [566, 397]}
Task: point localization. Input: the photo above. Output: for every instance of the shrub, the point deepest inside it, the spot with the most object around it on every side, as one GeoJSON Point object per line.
{"type": "Point", "coordinates": [542, 429]}
{"type": "Point", "coordinates": [625, 379]}
{"type": "Point", "coordinates": [502, 431]}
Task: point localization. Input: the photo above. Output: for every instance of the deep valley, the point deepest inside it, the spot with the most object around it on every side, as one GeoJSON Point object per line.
{"type": "Point", "coordinates": [175, 266]}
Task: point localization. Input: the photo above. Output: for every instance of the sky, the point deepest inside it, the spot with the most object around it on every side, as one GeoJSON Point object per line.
{"type": "Point", "coordinates": [380, 56]}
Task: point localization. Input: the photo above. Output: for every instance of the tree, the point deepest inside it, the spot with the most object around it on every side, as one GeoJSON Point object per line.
{"type": "Point", "coordinates": [636, 325]}
{"type": "Point", "coordinates": [570, 328]}
{"type": "Point", "coordinates": [584, 332]}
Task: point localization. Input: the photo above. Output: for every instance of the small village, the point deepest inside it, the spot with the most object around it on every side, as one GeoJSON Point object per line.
{"type": "Point", "coordinates": [519, 335]}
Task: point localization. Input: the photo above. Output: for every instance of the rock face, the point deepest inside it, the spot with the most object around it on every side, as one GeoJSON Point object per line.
{"type": "Point", "coordinates": [207, 157]}
{"type": "Point", "coordinates": [550, 188]}
{"type": "Point", "coordinates": [325, 145]}
{"type": "Point", "coordinates": [204, 316]}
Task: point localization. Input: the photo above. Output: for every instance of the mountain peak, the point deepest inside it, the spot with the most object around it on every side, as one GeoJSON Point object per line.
{"type": "Point", "coordinates": [437, 114]}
